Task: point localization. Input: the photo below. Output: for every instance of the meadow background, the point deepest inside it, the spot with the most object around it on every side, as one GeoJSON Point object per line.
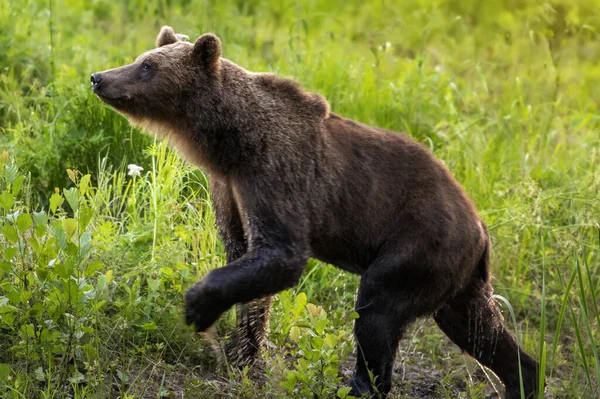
{"type": "Point", "coordinates": [94, 262]}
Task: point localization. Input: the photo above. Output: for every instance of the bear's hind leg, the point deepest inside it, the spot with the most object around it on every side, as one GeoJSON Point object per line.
{"type": "Point", "coordinates": [393, 293]}
{"type": "Point", "coordinates": [474, 323]}
{"type": "Point", "coordinates": [377, 336]}
{"type": "Point", "coordinates": [252, 321]}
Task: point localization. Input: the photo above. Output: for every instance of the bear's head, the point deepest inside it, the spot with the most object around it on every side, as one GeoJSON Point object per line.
{"type": "Point", "coordinates": [157, 87]}
{"type": "Point", "coordinates": [214, 111]}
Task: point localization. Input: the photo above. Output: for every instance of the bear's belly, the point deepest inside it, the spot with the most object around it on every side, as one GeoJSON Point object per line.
{"type": "Point", "coordinates": [342, 254]}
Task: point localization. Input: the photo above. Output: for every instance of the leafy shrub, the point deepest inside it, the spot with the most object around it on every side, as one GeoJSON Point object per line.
{"type": "Point", "coordinates": [320, 346]}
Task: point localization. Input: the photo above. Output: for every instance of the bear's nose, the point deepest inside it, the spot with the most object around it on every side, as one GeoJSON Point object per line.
{"type": "Point", "coordinates": [96, 78]}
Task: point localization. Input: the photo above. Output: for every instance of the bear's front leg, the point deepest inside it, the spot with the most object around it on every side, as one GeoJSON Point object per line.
{"type": "Point", "coordinates": [257, 274]}
{"type": "Point", "coordinates": [203, 305]}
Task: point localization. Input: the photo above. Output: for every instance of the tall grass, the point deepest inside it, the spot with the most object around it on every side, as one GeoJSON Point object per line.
{"type": "Point", "coordinates": [504, 92]}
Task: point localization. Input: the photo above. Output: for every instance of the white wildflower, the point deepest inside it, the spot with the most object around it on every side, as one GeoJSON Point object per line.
{"type": "Point", "coordinates": [134, 170]}
{"type": "Point", "coordinates": [182, 37]}
{"type": "Point", "coordinates": [13, 216]}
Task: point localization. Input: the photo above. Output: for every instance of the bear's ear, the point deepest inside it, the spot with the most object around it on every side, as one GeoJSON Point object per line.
{"type": "Point", "coordinates": [207, 50]}
{"type": "Point", "coordinates": [166, 36]}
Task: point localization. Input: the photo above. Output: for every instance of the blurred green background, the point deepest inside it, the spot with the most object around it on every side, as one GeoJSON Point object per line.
{"type": "Point", "coordinates": [504, 92]}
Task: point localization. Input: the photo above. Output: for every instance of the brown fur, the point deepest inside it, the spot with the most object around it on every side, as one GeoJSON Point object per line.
{"type": "Point", "coordinates": [291, 180]}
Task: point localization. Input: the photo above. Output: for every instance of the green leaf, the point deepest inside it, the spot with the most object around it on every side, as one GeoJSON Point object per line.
{"type": "Point", "coordinates": [40, 230]}
{"type": "Point", "coordinates": [36, 310]}
{"type": "Point", "coordinates": [58, 311]}
{"type": "Point", "coordinates": [84, 184]}
{"type": "Point", "coordinates": [295, 334]}
{"type": "Point", "coordinates": [300, 300]}
{"type": "Point", "coordinates": [24, 221]}
{"type": "Point", "coordinates": [55, 201]}
{"type": "Point", "coordinates": [59, 234]}
{"type": "Point", "coordinates": [10, 252]}
{"type": "Point", "coordinates": [99, 305]}
{"type": "Point", "coordinates": [72, 196]}
{"type": "Point", "coordinates": [72, 175]}
{"type": "Point", "coordinates": [42, 273]}
{"type": "Point", "coordinates": [69, 226]}
{"type": "Point", "coordinates": [64, 269]}
{"type": "Point", "coordinates": [10, 233]}
{"type": "Point", "coordinates": [153, 284]}
{"type": "Point", "coordinates": [5, 372]}
{"type": "Point", "coordinates": [24, 296]}
{"type": "Point", "coordinates": [290, 381]}
{"type": "Point", "coordinates": [14, 297]}
{"type": "Point", "coordinates": [92, 268]}
{"type": "Point", "coordinates": [287, 386]}
{"type": "Point", "coordinates": [149, 326]}
{"type": "Point", "coordinates": [5, 266]}
{"type": "Point", "coordinates": [8, 318]}
{"type": "Point", "coordinates": [317, 343]}
{"type": "Point", "coordinates": [331, 340]}
{"type": "Point", "coordinates": [101, 283]}
{"type": "Point", "coordinates": [299, 303]}
{"type": "Point", "coordinates": [76, 378]}
{"type": "Point", "coordinates": [85, 215]}
{"type": "Point", "coordinates": [122, 376]}
{"type": "Point", "coordinates": [35, 245]}
{"type": "Point", "coordinates": [11, 172]}
{"type": "Point", "coordinates": [303, 364]}
{"type": "Point", "coordinates": [39, 374]}
{"type": "Point", "coordinates": [72, 249]}
{"type": "Point", "coordinates": [6, 200]}
{"type": "Point", "coordinates": [16, 185]}
{"type": "Point", "coordinates": [85, 243]}
{"type": "Point", "coordinates": [73, 288]}
{"type": "Point", "coordinates": [40, 218]}
{"type": "Point", "coordinates": [320, 326]}
{"type": "Point", "coordinates": [343, 392]}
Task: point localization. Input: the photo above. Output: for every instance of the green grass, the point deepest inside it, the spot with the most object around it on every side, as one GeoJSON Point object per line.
{"type": "Point", "coordinates": [504, 92]}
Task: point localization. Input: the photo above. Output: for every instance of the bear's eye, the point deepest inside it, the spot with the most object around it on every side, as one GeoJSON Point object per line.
{"type": "Point", "coordinates": [146, 71]}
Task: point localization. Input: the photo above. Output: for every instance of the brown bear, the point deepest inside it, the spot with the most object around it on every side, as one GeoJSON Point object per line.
{"type": "Point", "coordinates": [291, 180]}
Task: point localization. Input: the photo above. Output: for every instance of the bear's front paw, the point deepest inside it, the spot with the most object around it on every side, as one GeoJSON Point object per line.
{"type": "Point", "coordinates": [202, 307]}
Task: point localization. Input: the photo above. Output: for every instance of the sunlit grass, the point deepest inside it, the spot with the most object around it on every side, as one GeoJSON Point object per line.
{"type": "Point", "coordinates": [504, 92]}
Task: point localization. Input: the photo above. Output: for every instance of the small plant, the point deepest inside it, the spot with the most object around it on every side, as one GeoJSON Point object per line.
{"type": "Point", "coordinates": [48, 300]}
{"type": "Point", "coordinates": [319, 350]}
{"type": "Point", "coordinates": [505, 93]}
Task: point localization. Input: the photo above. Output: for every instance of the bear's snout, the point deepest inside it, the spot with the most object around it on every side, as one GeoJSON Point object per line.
{"type": "Point", "coordinates": [96, 78]}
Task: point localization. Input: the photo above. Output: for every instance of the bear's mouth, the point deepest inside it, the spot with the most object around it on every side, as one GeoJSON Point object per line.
{"type": "Point", "coordinates": [111, 100]}
{"type": "Point", "coordinates": [108, 98]}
